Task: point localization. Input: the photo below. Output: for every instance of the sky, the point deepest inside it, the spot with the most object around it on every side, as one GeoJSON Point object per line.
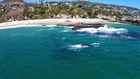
{"type": "Point", "coordinates": [132, 3]}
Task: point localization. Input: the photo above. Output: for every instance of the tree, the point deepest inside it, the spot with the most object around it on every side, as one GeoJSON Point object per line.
{"type": "Point", "coordinates": [89, 11]}
{"type": "Point", "coordinates": [41, 2]}
{"type": "Point", "coordinates": [3, 18]}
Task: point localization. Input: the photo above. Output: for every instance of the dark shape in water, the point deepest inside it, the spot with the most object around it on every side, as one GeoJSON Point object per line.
{"type": "Point", "coordinates": [132, 34]}
{"type": "Point", "coordinates": [86, 45]}
{"type": "Point", "coordinates": [65, 51]}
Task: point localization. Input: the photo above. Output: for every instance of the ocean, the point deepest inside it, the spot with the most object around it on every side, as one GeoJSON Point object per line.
{"type": "Point", "coordinates": [57, 52]}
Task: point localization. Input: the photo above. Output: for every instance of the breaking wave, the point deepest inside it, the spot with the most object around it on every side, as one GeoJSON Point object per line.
{"type": "Point", "coordinates": [107, 32]}
{"type": "Point", "coordinates": [50, 25]}
{"type": "Point", "coordinates": [106, 29]}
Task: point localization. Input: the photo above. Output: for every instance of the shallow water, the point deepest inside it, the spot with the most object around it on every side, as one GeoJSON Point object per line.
{"type": "Point", "coordinates": [55, 53]}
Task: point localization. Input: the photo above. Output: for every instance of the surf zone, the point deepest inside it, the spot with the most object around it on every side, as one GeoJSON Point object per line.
{"type": "Point", "coordinates": [109, 32]}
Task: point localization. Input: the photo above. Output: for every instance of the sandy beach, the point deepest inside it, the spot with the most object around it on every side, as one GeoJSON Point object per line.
{"type": "Point", "coordinates": [41, 22]}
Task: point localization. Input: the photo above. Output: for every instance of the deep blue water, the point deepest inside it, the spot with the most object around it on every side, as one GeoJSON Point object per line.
{"type": "Point", "coordinates": [54, 53]}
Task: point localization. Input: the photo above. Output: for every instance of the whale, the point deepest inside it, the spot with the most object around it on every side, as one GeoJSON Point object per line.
{"type": "Point", "coordinates": [79, 46]}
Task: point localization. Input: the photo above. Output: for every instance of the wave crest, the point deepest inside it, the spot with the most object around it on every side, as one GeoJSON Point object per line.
{"type": "Point", "coordinates": [106, 29]}
{"type": "Point", "coordinates": [107, 32]}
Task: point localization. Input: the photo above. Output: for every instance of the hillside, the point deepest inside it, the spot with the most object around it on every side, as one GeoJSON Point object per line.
{"type": "Point", "coordinates": [21, 2]}
{"type": "Point", "coordinates": [102, 4]}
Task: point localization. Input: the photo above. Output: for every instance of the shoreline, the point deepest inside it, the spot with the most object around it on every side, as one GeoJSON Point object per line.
{"type": "Point", "coordinates": [45, 22]}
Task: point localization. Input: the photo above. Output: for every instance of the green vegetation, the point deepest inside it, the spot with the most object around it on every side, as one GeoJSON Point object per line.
{"type": "Point", "coordinates": [2, 19]}
{"type": "Point", "coordinates": [58, 10]}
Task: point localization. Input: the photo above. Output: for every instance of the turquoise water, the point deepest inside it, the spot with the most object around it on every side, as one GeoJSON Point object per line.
{"type": "Point", "coordinates": [54, 53]}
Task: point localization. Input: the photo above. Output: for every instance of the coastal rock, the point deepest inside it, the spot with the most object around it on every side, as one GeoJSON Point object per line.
{"type": "Point", "coordinates": [96, 25]}
{"type": "Point", "coordinates": [132, 21]}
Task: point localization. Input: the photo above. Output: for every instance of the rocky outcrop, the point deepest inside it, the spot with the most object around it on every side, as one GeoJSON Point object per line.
{"type": "Point", "coordinates": [80, 26]}
{"type": "Point", "coordinates": [131, 21]}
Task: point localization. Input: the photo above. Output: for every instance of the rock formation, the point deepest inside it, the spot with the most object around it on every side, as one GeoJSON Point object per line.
{"type": "Point", "coordinates": [96, 25]}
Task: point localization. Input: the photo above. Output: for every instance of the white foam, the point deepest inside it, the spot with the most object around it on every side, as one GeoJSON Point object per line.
{"type": "Point", "coordinates": [40, 30]}
{"type": "Point", "coordinates": [89, 30]}
{"type": "Point", "coordinates": [65, 31]}
{"type": "Point", "coordinates": [96, 44]}
{"type": "Point", "coordinates": [51, 25]}
{"type": "Point", "coordinates": [104, 36]}
{"type": "Point", "coordinates": [78, 46]}
{"type": "Point", "coordinates": [127, 37]}
{"type": "Point", "coordinates": [106, 29]}
{"type": "Point", "coordinates": [51, 28]}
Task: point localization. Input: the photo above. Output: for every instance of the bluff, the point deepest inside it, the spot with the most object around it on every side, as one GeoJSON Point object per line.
{"type": "Point", "coordinates": [20, 2]}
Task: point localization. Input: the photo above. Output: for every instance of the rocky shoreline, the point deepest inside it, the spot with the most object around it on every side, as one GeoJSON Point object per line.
{"type": "Point", "coordinates": [132, 22]}
{"type": "Point", "coordinates": [80, 26]}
